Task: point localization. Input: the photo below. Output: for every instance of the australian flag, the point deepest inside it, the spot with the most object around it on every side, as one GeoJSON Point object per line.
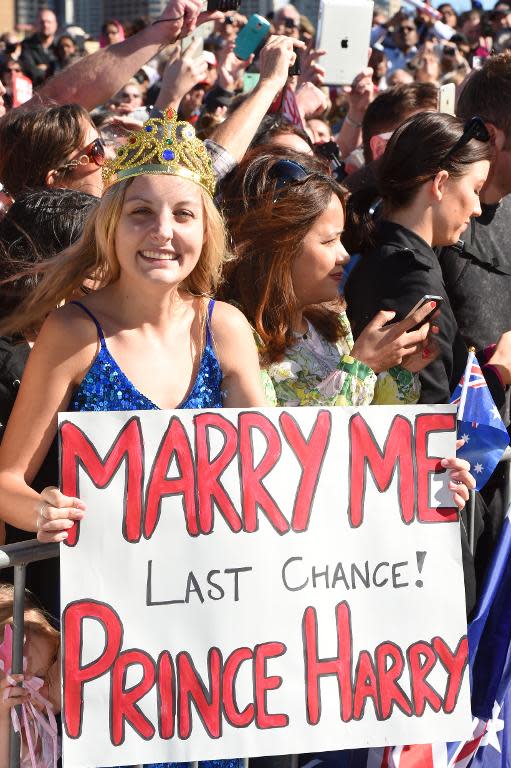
{"type": "Point", "coordinates": [489, 641]}
{"type": "Point", "coordinates": [479, 423]}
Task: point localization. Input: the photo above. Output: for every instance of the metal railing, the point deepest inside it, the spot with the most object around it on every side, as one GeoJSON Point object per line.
{"type": "Point", "coordinates": [18, 556]}
{"type": "Point", "coordinates": [21, 554]}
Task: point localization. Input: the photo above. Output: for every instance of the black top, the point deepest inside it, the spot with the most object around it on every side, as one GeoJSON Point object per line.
{"type": "Point", "coordinates": [395, 275]}
{"type": "Point", "coordinates": [478, 276]}
{"type": "Point", "coordinates": [34, 55]}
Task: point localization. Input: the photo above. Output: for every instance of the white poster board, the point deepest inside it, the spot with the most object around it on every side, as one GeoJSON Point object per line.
{"type": "Point", "coordinates": [251, 583]}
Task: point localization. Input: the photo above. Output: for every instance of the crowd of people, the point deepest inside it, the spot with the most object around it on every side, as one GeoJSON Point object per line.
{"type": "Point", "coordinates": [174, 235]}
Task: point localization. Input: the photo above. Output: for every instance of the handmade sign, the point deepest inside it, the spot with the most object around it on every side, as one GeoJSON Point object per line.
{"type": "Point", "coordinates": [264, 582]}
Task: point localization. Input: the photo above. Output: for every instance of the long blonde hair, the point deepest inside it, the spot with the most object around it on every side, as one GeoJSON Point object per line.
{"type": "Point", "coordinates": [36, 621]}
{"type": "Point", "coordinates": [93, 257]}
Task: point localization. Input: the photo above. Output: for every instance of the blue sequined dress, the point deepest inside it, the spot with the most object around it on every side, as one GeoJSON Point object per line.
{"type": "Point", "coordinates": [107, 388]}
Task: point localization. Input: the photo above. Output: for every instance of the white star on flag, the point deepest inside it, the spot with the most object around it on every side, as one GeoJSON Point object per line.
{"type": "Point", "coordinates": [495, 412]}
{"type": "Point", "coordinates": [478, 468]}
{"type": "Point", "coordinates": [466, 438]}
{"type": "Point", "coordinates": [495, 725]}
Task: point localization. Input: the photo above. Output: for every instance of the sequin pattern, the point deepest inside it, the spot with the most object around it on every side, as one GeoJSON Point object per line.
{"type": "Point", "coordinates": [106, 388]}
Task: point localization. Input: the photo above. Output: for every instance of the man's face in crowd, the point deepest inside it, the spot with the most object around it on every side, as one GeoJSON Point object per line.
{"type": "Point", "coordinates": [501, 17]}
{"type": "Point", "coordinates": [319, 131]}
{"type": "Point", "coordinates": [46, 23]}
{"type": "Point", "coordinates": [405, 35]}
{"type": "Point", "coordinates": [287, 22]}
{"type": "Point", "coordinates": [448, 15]}
{"type": "Point", "coordinates": [472, 27]}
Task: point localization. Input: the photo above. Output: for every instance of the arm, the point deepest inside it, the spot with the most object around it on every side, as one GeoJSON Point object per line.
{"type": "Point", "coordinates": [60, 358]}
{"type": "Point", "coordinates": [238, 358]}
{"type": "Point", "coordinates": [360, 95]}
{"type": "Point", "coordinates": [96, 78]}
{"type": "Point", "coordinates": [236, 133]}
{"type": "Point", "coordinates": [179, 77]}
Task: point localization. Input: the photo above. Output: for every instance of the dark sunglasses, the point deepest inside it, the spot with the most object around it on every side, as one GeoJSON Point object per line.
{"type": "Point", "coordinates": [474, 129]}
{"type": "Point", "coordinates": [92, 153]}
{"type": "Point", "coordinates": [286, 172]}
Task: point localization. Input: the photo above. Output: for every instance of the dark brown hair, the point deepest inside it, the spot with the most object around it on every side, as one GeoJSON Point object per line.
{"type": "Point", "coordinates": [267, 228]}
{"type": "Point", "coordinates": [417, 151]}
{"type": "Point", "coordinates": [487, 92]}
{"type": "Point", "coordinates": [36, 141]}
{"type": "Point", "coordinates": [393, 106]}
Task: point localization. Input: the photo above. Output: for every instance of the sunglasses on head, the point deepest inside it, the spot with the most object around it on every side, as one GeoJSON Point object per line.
{"type": "Point", "coordinates": [92, 153]}
{"type": "Point", "coordinates": [286, 172]}
{"type": "Point", "coordinates": [474, 129]}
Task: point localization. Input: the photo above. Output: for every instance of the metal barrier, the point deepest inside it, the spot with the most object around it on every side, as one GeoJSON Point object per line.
{"type": "Point", "coordinates": [19, 555]}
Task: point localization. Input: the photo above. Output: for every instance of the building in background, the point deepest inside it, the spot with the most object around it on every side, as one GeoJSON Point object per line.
{"type": "Point", "coordinates": [124, 10]}
{"type": "Point", "coordinates": [26, 10]}
{"type": "Point", "coordinates": [7, 15]}
{"type": "Point", "coordinates": [88, 14]}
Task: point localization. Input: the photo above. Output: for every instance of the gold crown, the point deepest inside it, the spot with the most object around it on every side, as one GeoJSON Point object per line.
{"type": "Point", "coordinates": [162, 146]}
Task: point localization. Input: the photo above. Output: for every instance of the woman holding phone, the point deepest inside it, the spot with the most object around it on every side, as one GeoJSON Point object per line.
{"type": "Point", "coordinates": [429, 180]}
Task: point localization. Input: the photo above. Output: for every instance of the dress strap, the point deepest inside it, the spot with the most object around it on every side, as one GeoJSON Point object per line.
{"type": "Point", "coordinates": [209, 338]}
{"type": "Point", "coordinates": [94, 320]}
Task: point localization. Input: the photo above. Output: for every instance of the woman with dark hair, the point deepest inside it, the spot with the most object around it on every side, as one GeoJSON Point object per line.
{"type": "Point", "coordinates": [429, 180]}
{"type": "Point", "coordinates": [112, 32]}
{"type": "Point", "coordinates": [50, 147]}
{"type": "Point", "coordinates": [286, 216]}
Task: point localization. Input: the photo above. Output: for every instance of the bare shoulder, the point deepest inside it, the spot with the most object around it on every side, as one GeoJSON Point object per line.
{"type": "Point", "coordinates": [227, 319]}
{"type": "Point", "coordinates": [69, 338]}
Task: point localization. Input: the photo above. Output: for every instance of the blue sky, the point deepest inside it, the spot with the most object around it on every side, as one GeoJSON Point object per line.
{"type": "Point", "coordinates": [465, 5]}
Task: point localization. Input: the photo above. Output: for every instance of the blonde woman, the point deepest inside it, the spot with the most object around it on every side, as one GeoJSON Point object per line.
{"type": "Point", "coordinates": [151, 337]}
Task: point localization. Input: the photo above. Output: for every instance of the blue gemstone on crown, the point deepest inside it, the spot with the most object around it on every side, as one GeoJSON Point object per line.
{"type": "Point", "coordinates": [149, 128]}
{"type": "Point", "coordinates": [168, 154]}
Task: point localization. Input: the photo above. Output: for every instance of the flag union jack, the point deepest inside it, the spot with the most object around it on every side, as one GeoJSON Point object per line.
{"type": "Point", "coordinates": [475, 381]}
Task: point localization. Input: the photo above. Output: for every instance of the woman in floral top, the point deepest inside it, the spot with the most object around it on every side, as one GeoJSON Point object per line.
{"type": "Point", "coordinates": [286, 218]}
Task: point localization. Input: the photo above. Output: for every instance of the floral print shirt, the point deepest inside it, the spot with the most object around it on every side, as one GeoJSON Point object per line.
{"type": "Point", "coordinates": [318, 372]}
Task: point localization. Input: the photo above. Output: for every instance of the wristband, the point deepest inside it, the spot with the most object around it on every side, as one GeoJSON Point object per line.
{"type": "Point", "coordinates": [495, 370]}
{"type": "Point", "coordinates": [173, 18]}
{"type": "Point", "coordinates": [352, 122]}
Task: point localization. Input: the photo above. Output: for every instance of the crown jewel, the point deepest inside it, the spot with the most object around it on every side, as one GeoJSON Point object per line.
{"type": "Point", "coordinates": [166, 146]}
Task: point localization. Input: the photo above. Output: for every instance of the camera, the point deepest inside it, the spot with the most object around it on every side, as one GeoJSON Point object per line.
{"type": "Point", "coordinates": [224, 5]}
{"type": "Point", "coordinates": [295, 69]}
{"type": "Point", "coordinates": [330, 151]}
{"type": "Point", "coordinates": [449, 50]}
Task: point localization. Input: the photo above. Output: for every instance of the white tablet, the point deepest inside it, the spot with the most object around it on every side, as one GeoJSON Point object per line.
{"type": "Point", "coordinates": [344, 30]}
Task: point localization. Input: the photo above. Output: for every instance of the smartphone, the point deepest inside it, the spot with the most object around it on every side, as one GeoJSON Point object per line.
{"type": "Point", "coordinates": [223, 5]}
{"type": "Point", "coordinates": [296, 68]}
{"type": "Point", "coordinates": [250, 80]}
{"type": "Point", "coordinates": [344, 29]}
{"type": "Point", "coordinates": [186, 43]}
{"type": "Point", "coordinates": [251, 36]}
{"type": "Point", "coordinates": [449, 50]}
{"type": "Point", "coordinates": [447, 98]}
{"type": "Point", "coordinates": [425, 300]}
